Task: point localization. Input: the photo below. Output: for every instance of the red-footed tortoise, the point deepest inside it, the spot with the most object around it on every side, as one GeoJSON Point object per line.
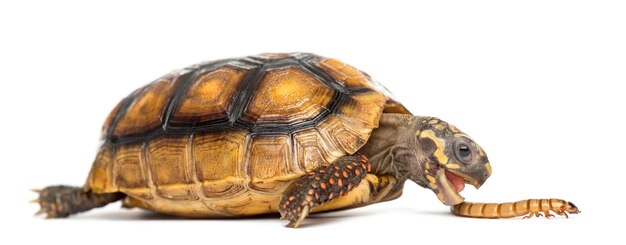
{"type": "Point", "coordinates": [290, 133]}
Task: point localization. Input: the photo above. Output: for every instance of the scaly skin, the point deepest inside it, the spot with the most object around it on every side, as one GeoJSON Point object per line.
{"type": "Point", "coordinates": [61, 201]}
{"type": "Point", "coordinates": [321, 185]}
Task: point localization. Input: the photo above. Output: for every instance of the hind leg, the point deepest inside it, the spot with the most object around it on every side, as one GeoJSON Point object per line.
{"type": "Point", "coordinates": [61, 201]}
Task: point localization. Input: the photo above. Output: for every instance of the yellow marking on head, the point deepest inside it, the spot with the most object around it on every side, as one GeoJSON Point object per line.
{"type": "Point", "coordinates": [453, 166]}
{"type": "Point", "coordinates": [430, 178]}
{"type": "Point", "coordinates": [439, 154]}
{"type": "Point", "coordinates": [440, 196]}
{"type": "Point", "coordinates": [433, 186]}
{"type": "Point", "coordinates": [433, 121]}
{"type": "Point", "coordinates": [482, 153]}
{"type": "Point", "coordinates": [427, 165]}
{"type": "Point", "coordinates": [440, 127]}
{"type": "Point", "coordinates": [453, 129]}
{"type": "Point", "coordinates": [488, 168]}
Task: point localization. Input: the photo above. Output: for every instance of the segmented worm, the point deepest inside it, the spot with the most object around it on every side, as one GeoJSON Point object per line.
{"type": "Point", "coordinates": [530, 208]}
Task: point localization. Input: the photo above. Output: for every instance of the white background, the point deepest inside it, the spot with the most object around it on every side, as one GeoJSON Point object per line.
{"type": "Point", "coordinates": [537, 83]}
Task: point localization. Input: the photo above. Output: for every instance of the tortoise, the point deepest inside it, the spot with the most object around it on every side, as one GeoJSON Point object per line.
{"type": "Point", "coordinates": [288, 133]}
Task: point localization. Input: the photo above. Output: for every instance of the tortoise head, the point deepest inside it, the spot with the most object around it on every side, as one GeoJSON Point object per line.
{"type": "Point", "coordinates": [449, 159]}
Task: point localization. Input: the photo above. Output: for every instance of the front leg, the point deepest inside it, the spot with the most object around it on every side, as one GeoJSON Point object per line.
{"type": "Point", "coordinates": [531, 214]}
{"type": "Point", "coordinates": [321, 185]}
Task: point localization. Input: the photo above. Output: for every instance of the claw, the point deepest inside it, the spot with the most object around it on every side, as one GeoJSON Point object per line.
{"type": "Point", "coordinates": [303, 214]}
{"type": "Point", "coordinates": [40, 212]}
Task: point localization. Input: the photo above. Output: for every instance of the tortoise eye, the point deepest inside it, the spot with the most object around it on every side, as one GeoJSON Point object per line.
{"type": "Point", "coordinates": [464, 153]}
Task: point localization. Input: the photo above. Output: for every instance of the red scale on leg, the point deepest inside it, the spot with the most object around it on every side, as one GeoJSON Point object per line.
{"type": "Point", "coordinates": [345, 173]}
{"type": "Point", "coordinates": [363, 158]}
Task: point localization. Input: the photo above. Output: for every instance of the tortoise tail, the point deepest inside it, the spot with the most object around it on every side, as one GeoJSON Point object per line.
{"type": "Point", "coordinates": [61, 201]}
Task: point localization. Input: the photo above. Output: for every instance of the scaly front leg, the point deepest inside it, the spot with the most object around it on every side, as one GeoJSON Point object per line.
{"type": "Point", "coordinates": [321, 185]}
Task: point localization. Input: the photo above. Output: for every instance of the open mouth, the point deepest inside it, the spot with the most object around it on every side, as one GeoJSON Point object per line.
{"type": "Point", "coordinates": [449, 184]}
{"type": "Point", "coordinates": [456, 181]}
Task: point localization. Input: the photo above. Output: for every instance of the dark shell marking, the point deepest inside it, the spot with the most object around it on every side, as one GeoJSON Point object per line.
{"type": "Point", "coordinates": [166, 106]}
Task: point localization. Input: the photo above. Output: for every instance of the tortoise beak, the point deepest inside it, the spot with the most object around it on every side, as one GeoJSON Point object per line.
{"type": "Point", "coordinates": [447, 190]}
{"type": "Point", "coordinates": [448, 183]}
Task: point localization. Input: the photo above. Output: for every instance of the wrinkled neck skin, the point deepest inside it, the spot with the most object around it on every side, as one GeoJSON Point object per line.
{"type": "Point", "coordinates": [392, 148]}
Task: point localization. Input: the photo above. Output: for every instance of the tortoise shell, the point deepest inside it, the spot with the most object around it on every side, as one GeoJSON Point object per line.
{"type": "Point", "coordinates": [227, 137]}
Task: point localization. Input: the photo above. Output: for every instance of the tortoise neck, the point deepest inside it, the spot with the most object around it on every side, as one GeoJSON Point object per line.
{"type": "Point", "coordinates": [392, 147]}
